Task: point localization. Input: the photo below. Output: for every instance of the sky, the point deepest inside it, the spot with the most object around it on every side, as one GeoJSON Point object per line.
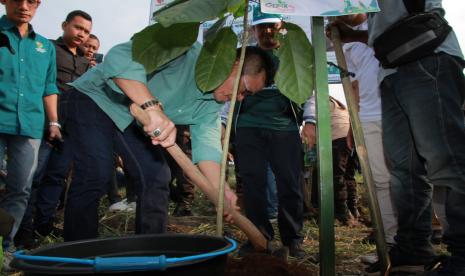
{"type": "Point", "coordinates": [116, 21]}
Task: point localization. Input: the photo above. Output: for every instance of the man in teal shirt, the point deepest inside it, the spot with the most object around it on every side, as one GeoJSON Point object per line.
{"type": "Point", "coordinates": [99, 122]}
{"type": "Point", "coordinates": [27, 87]}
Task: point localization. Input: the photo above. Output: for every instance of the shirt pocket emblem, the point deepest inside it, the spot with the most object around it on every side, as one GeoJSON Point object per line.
{"type": "Point", "coordinates": [40, 47]}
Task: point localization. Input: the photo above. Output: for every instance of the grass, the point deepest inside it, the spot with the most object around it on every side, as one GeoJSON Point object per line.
{"type": "Point", "coordinates": [348, 240]}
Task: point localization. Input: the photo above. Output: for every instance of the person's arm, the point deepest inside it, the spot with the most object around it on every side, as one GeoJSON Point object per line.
{"type": "Point", "coordinates": [347, 34]}
{"type": "Point", "coordinates": [212, 170]}
{"type": "Point", "coordinates": [206, 153]}
{"type": "Point", "coordinates": [309, 130]}
{"type": "Point", "coordinates": [140, 94]}
{"type": "Point", "coordinates": [51, 104]}
{"type": "Point", "coordinates": [50, 97]}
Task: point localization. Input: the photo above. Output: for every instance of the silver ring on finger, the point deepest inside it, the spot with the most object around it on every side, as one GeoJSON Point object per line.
{"type": "Point", "coordinates": [156, 132]}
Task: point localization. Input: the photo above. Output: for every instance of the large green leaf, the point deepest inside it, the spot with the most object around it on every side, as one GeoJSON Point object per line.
{"type": "Point", "coordinates": [156, 45]}
{"type": "Point", "coordinates": [169, 5]}
{"type": "Point", "coordinates": [295, 76]}
{"type": "Point", "coordinates": [213, 31]}
{"type": "Point", "coordinates": [191, 11]}
{"type": "Point", "coordinates": [237, 8]}
{"type": "Point", "coordinates": [216, 60]}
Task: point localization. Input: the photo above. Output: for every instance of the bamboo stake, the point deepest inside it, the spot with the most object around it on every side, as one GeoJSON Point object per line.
{"type": "Point", "coordinates": [363, 157]}
{"type": "Point", "coordinates": [227, 134]}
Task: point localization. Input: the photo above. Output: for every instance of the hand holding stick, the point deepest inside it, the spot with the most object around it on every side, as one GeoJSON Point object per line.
{"type": "Point", "coordinates": [255, 236]}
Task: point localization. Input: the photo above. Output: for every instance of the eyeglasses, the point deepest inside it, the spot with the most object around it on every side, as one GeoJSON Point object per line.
{"type": "Point", "coordinates": [30, 3]}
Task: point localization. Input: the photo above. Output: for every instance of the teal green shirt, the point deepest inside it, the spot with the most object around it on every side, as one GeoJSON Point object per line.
{"type": "Point", "coordinates": [26, 76]}
{"type": "Point", "coordinates": [267, 109]}
{"type": "Point", "coordinates": [174, 85]}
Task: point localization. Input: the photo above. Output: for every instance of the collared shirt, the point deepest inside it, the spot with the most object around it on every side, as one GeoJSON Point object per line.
{"type": "Point", "coordinates": [268, 109]}
{"type": "Point", "coordinates": [25, 78]}
{"type": "Point", "coordinates": [69, 66]}
{"type": "Point", "coordinates": [174, 85]}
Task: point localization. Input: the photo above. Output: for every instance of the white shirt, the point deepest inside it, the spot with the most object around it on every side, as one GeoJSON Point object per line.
{"type": "Point", "coordinates": [361, 61]}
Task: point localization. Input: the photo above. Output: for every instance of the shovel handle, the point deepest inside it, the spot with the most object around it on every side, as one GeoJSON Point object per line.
{"type": "Point", "coordinates": [254, 235]}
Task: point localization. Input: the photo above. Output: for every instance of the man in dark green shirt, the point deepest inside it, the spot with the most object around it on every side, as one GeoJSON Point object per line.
{"type": "Point", "coordinates": [267, 134]}
{"type": "Point", "coordinates": [27, 87]}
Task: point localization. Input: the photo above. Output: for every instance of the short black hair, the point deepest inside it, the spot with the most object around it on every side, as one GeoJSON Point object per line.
{"type": "Point", "coordinates": [80, 13]}
{"type": "Point", "coordinates": [92, 36]}
{"type": "Point", "coordinates": [256, 60]}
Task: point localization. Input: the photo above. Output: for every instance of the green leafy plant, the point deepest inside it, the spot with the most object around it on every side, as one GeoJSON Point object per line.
{"type": "Point", "coordinates": [177, 30]}
{"type": "Point", "coordinates": [295, 75]}
{"type": "Point", "coordinates": [216, 60]}
{"type": "Point", "coordinates": [155, 45]}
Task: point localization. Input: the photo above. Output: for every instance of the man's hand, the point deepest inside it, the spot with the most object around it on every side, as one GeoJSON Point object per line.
{"type": "Point", "coordinates": [347, 34]}
{"type": "Point", "coordinates": [309, 135]}
{"type": "Point", "coordinates": [92, 62]}
{"type": "Point", "coordinates": [161, 129]}
{"type": "Point", "coordinates": [54, 133]}
{"type": "Point", "coordinates": [230, 200]}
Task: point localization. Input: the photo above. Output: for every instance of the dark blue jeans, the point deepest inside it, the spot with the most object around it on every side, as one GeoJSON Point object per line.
{"type": "Point", "coordinates": [424, 139]}
{"type": "Point", "coordinates": [52, 185]}
{"type": "Point", "coordinates": [256, 150]}
{"type": "Point", "coordinates": [94, 138]}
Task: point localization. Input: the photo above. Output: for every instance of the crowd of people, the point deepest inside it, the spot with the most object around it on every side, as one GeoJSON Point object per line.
{"type": "Point", "coordinates": [69, 139]}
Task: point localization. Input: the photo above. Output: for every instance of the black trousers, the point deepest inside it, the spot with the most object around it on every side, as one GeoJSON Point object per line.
{"type": "Point", "coordinates": [184, 190]}
{"type": "Point", "coordinates": [256, 148]}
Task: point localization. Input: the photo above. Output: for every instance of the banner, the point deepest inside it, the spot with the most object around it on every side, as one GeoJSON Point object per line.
{"type": "Point", "coordinates": [319, 7]}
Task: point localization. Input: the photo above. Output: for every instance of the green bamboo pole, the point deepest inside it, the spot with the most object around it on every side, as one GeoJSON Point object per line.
{"type": "Point", "coordinates": [363, 156]}
{"type": "Point", "coordinates": [324, 148]}
{"type": "Point", "coordinates": [227, 133]}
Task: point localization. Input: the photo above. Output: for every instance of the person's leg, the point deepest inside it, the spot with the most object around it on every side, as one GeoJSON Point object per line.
{"type": "Point", "coordinates": [112, 193]}
{"type": "Point", "coordinates": [184, 189]}
{"type": "Point", "coordinates": [22, 162]}
{"type": "Point", "coordinates": [340, 158]}
{"type": "Point", "coordinates": [51, 187]}
{"type": "Point", "coordinates": [146, 163]}
{"type": "Point", "coordinates": [271, 194]}
{"type": "Point", "coordinates": [128, 181]}
{"type": "Point", "coordinates": [372, 132]}
{"type": "Point", "coordinates": [91, 134]}
{"type": "Point", "coordinates": [251, 154]}
{"type": "Point", "coordinates": [286, 155]}
{"type": "Point", "coordinates": [24, 236]}
{"type": "Point", "coordinates": [434, 108]}
{"type": "Point", "coordinates": [439, 207]}
{"type": "Point", "coordinates": [411, 191]}
{"type": "Point", "coordinates": [454, 236]}
{"type": "Point", "coordinates": [351, 184]}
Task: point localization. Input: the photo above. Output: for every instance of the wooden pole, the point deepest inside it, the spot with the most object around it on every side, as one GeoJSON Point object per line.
{"type": "Point", "coordinates": [362, 155]}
